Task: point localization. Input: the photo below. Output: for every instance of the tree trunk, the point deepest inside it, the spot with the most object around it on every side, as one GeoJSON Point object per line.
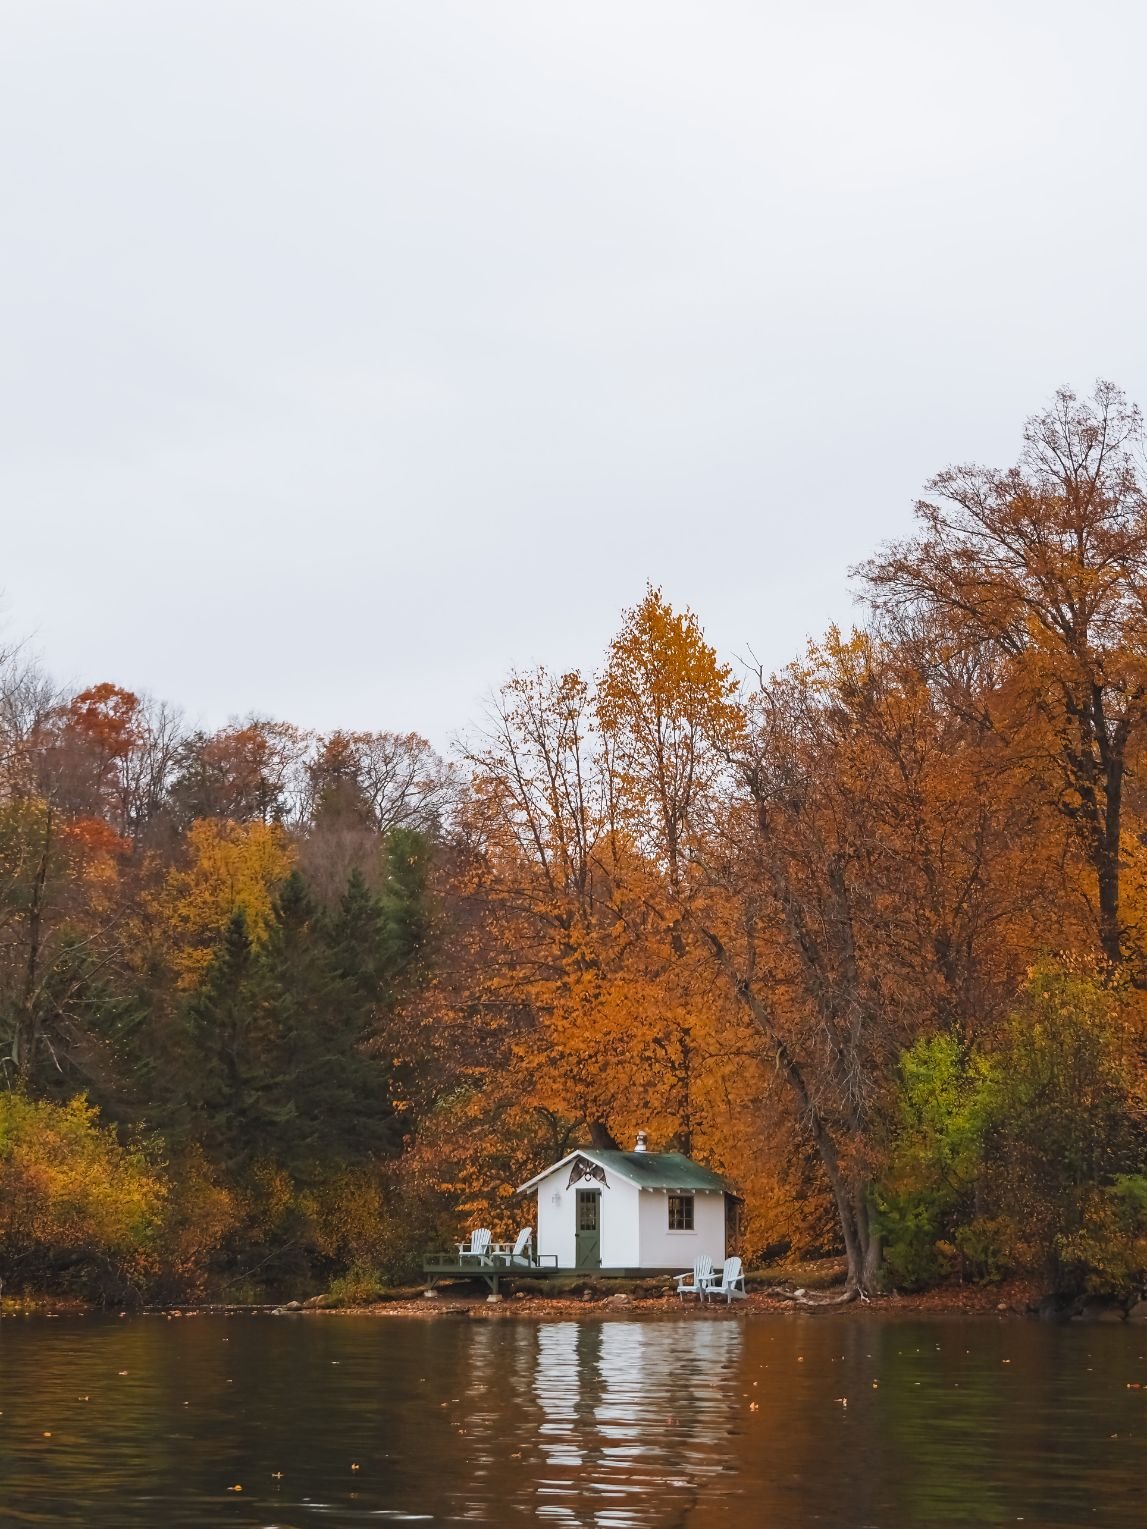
{"type": "Point", "coordinates": [873, 1246]}
{"type": "Point", "coordinates": [1107, 866]}
{"type": "Point", "coordinates": [854, 1205]}
{"type": "Point", "coordinates": [601, 1137]}
{"type": "Point", "coordinates": [1098, 764]}
{"type": "Point", "coordinates": [26, 1042]}
{"type": "Point", "coordinates": [1110, 930]}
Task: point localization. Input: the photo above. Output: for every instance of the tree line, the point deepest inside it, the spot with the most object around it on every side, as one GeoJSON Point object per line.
{"type": "Point", "coordinates": [867, 934]}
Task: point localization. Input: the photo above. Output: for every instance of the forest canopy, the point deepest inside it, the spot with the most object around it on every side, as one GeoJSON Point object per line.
{"type": "Point", "coordinates": [869, 934]}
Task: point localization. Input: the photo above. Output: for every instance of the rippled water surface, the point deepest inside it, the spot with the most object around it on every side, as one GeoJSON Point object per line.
{"type": "Point", "coordinates": [696, 1420]}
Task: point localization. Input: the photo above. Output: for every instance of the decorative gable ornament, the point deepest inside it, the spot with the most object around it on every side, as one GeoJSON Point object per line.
{"type": "Point", "coordinates": [582, 1170]}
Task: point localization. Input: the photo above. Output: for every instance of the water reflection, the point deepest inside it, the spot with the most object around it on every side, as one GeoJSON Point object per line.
{"type": "Point", "coordinates": [632, 1419]}
{"type": "Point", "coordinates": [691, 1420]}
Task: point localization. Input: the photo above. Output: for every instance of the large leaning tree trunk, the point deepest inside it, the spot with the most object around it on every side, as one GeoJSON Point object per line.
{"type": "Point", "coordinates": [856, 888]}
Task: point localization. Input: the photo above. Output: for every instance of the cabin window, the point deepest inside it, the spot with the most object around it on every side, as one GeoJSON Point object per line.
{"type": "Point", "coordinates": [680, 1213]}
{"type": "Point", "coordinates": [587, 1210]}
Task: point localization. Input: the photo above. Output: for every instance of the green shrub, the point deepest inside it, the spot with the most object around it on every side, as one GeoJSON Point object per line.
{"type": "Point", "coordinates": [1108, 1253]}
{"type": "Point", "coordinates": [982, 1244]}
{"type": "Point", "coordinates": [359, 1286]}
{"type": "Point", "coordinates": [1030, 1158]}
{"type": "Point", "coordinates": [934, 1157]}
{"type": "Point", "coordinates": [913, 1253]}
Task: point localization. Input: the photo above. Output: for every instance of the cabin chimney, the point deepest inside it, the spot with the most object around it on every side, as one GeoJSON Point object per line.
{"type": "Point", "coordinates": [642, 1142]}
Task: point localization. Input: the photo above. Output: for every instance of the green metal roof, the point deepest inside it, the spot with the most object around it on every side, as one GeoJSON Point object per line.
{"type": "Point", "coordinates": [658, 1170]}
{"type": "Point", "coordinates": [648, 1170]}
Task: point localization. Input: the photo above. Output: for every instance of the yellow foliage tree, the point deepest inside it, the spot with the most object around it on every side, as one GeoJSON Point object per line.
{"type": "Point", "coordinates": [230, 868]}
{"type": "Point", "coordinates": [70, 1192]}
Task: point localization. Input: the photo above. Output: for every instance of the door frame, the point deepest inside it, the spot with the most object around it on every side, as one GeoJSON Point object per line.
{"type": "Point", "coordinates": [590, 1196]}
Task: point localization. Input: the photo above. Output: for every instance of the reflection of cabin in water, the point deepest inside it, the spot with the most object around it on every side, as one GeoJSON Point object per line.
{"type": "Point", "coordinates": [629, 1212]}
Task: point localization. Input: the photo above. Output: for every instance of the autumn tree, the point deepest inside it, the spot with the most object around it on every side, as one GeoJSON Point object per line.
{"type": "Point", "coordinates": [670, 717]}
{"type": "Point", "coordinates": [361, 789]}
{"type": "Point", "coordinates": [65, 928]}
{"type": "Point", "coordinates": [580, 1009]}
{"type": "Point", "coordinates": [535, 816]}
{"type": "Point", "coordinates": [226, 868]}
{"type": "Point", "coordinates": [1047, 562]}
{"type": "Point", "coordinates": [249, 772]}
{"type": "Point", "coordinates": [669, 712]}
{"type": "Point", "coordinates": [28, 698]}
{"type": "Point", "coordinates": [848, 884]}
{"type": "Point", "coordinates": [109, 755]}
{"type": "Point", "coordinates": [31, 873]}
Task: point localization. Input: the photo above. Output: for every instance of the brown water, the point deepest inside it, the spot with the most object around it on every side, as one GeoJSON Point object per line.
{"type": "Point", "coordinates": [620, 1424]}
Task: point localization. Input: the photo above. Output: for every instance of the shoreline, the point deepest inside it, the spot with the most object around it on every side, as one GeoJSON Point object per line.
{"type": "Point", "coordinates": [412, 1305]}
{"type": "Point", "coordinates": [1007, 1301]}
{"type": "Point", "coordinates": [1000, 1301]}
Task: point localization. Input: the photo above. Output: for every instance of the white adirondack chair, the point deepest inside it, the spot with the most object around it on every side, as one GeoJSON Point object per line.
{"type": "Point", "coordinates": [522, 1254]}
{"type": "Point", "coordinates": [519, 1256]}
{"type": "Point", "coordinates": [478, 1248]}
{"type": "Point", "coordinates": [697, 1279]}
{"type": "Point", "coordinates": [731, 1283]}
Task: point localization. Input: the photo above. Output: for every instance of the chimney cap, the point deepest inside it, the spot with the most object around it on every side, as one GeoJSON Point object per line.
{"type": "Point", "coordinates": [642, 1142]}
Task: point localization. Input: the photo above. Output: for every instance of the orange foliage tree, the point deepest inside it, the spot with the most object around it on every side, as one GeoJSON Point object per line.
{"type": "Point", "coordinates": [1046, 563]}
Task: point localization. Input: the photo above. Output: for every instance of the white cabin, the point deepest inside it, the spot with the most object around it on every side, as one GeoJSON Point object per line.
{"type": "Point", "coordinates": [640, 1212]}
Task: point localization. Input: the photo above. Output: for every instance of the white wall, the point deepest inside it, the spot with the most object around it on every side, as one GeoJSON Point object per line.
{"type": "Point", "coordinates": [555, 1219]}
{"type": "Point", "coordinates": [619, 1231]}
{"type": "Point", "coordinates": [662, 1249]}
{"type": "Point", "coordinates": [617, 1220]}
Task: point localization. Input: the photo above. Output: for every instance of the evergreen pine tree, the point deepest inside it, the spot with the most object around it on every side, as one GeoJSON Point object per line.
{"type": "Point", "coordinates": [405, 909]}
{"type": "Point", "coordinates": [242, 1088]}
{"type": "Point", "coordinates": [322, 988]}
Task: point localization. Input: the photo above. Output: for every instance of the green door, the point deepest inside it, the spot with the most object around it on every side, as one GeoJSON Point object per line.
{"type": "Point", "coordinates": [588, 1249]}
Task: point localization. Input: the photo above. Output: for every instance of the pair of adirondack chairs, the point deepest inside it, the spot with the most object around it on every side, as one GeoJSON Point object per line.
{"type": "Point", "coordinates": [702, 1282]}
{"type": "Point", "coordinates": [481, 1251]}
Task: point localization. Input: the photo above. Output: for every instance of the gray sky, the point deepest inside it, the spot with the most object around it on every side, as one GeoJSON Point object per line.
{"type": "Point", "coordinates": [354, 353]}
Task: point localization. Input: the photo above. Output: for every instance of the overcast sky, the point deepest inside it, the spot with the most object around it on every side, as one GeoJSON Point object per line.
{"type": "Point", "coordinates": [353, 353]}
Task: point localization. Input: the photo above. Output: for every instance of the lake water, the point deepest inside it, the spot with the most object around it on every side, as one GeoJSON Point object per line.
{"type": "Point", "coordinates": [682, 1422]}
